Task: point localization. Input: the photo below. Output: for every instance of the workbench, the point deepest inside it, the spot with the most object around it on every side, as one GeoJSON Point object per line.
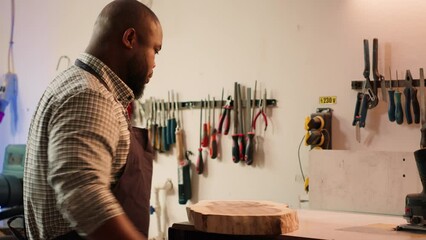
{"type": "Point", "coordinates": [316, 224]}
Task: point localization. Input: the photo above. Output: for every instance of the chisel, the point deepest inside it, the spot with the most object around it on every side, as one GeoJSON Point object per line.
{"type": "Point", "coordinates": [184, 164]}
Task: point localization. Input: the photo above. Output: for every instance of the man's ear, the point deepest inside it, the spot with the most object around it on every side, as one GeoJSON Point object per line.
{"type": "Point", "coordinates": [129, 37]}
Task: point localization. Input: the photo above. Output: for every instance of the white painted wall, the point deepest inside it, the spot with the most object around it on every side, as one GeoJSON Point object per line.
{"type": "Point", "coordinates": [297, 49]}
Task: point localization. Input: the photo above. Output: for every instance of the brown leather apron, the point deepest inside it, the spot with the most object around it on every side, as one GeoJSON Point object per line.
{"type": "Point", "coordinates": [133, 189]}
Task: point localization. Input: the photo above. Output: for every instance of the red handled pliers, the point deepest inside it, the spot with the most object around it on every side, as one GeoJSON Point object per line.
{"type": "Point", "coordinates": [225, 117]}
{"type": "Point", "coordinates": [262, 109]}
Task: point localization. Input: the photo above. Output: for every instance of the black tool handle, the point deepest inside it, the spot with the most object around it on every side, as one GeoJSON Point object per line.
{"type": "Point", "coordinates": [423, 137]}
{"type": "Point", "coordinates": [407, 95]}
{"type": "Point", "coordinates": [357, 108]}
{"type": "Point", "coordinates": [391, 108]}
{"type": "Point", "coordinates": [364, 109]}
{"type": "Point", "coordinates": [200, 161]}
{"type": "Point", "coordinates": [172, 129]}
{"type": "Point", "coordinates": [416, 106]}
{"type": "Point", "coordinates": [399, 116]}
{"type": "Point", "coordinates": [235, 148]}
{"type": "Point", "coordinates": [248, 157]}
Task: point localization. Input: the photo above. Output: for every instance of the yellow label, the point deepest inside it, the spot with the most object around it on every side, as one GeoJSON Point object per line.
{"type": "Point", "coordinates": [328, 100]}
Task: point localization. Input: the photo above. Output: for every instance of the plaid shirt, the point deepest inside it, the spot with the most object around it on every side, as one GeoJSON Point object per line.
{"type": "Point", "coordinates": [77, 144]}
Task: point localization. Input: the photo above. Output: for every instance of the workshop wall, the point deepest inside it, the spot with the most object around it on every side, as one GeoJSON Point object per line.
{"type": "Point", "coordinates": [298, 50]}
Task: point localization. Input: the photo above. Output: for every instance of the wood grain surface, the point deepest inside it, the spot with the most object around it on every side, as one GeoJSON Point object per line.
{"type": "Point", "coordinates": [243, 217]}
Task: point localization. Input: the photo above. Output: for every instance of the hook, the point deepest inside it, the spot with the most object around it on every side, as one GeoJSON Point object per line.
{"type": "Point", "coordinates": [60, 59]}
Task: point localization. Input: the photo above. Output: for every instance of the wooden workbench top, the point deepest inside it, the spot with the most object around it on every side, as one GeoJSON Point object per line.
{"type": "Point", "coordinates": [315, 224]}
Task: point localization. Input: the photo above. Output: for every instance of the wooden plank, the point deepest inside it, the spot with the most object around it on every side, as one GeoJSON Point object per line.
{"type": "Point", "coordinates": [243, 217]}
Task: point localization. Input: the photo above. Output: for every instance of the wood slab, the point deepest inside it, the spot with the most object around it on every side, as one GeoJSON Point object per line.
{"type": "Point", "coordinates": [243, 217]}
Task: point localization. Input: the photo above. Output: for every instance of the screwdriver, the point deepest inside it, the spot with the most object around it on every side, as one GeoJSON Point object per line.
{"type": "Point", "coordinates": [173, 123]}
{"type": "Point", "coordinates": [205, 141]}
{"type": "Point", "coordinates": [391, 92]}
{"type": "Point", "coordinates": [398, 106]}
{"type": "Point", "coordinates": [200, 161]}
{"type": "Point", "coordinates": [213, 140]}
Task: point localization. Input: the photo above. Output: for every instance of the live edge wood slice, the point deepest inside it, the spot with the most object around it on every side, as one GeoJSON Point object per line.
{"type": "Point", "coordinates": [243, 217]}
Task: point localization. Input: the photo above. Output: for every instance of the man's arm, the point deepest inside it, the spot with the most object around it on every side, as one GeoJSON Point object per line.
{"type": "Point", "coordinates": [118, 227]}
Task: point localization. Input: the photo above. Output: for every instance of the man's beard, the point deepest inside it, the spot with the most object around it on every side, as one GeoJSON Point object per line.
{"type": "Point", "coordinates": [136, 80]}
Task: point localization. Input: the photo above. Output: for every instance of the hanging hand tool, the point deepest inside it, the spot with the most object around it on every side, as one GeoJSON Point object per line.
{"type": "Point", "coordinates": [169, 132]}
{"type": "Point", "coordinates": [200, 161]}
{"type": "Point", "coordinates": [391, 92]}
{"type": "Point", "coordinates": [164, 142]}
{"type": "Point", "coordinates": [262, 111]}
{"type": "Point", "coordinates": [241, 143]}
{"type": "Point", "coordinates": [422, 110]}
{"type": "Point", "coordinates": [225, 117]}
{"type": "Point", "coordinates": [205, 141]}
{"type": "Point", "coordinates": [184, 164]}
{"type": "Point", "coordinates": [235, 149]}
{"type": "Point", "coordinates": [376, 75]}
{"type": "Point", "coordinates": [410, 94]}
{"type": "Point", "coordinates": [156, 130]}
{"type": "Point", "coordinates": [367, 98]}
{"type": "Point", "coordinates": [250, 135]}
{"type": "Point", "coordinates": [399, 115]}
{"type": "Point", "coordinates": [173, 124]}
{"type": "Point", "coordinates": [213, 139]}
{"type": "Point", "coordinates": [184, 179]}
{"type": "Point", "coordinates": [209, 126]}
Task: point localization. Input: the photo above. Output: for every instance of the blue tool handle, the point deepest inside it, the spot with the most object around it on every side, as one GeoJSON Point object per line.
{"type": "Point", "coordinates": [407, 95]}
{"type": "Point", "coordinates": [364, 109]}
{"type": "Point", "coordinates": [164, 145]}
{"type": "Point", "coordinates": [172, 130]}
{"type": "Point", "coordinates": [391, 108]}
{"type": "Point", "coordinates": [398, 108]}
{"type": "Point", "coordinates": [357, 107]}
{"type": "Point", "coordinates": [235, 149]}
{"type": "Point", "coordinates": [416, 106]}
{"type": "Point", "coordinates": [169, 133]}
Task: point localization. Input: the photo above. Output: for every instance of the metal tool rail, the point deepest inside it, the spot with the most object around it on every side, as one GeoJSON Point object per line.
{"type": "Point", "coordinates": [215, 104]}
{"type": "Point", "coordinates": [358, 84]}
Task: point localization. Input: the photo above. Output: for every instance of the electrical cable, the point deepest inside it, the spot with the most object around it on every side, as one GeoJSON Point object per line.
{"type": "Point", "coordinates": [298, 155]}
{"type": "Point", "coordinates": [10, 65]}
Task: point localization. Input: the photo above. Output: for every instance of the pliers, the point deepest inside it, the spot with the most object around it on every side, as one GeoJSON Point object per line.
{"type": "Point", "coordinates": [410, 94]}
{"type": "Point", "coordinates": [262, 109]}
{"type": "Point", "coordinates": [225, 117]}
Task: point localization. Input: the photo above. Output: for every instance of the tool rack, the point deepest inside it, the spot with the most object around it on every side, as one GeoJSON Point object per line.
{"type": "Point", "coordinates": [215, 104]}
{"type": "Point", "coordinates": [358, 84]}
{"type": "Point", "coordinates": [197, 104]}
